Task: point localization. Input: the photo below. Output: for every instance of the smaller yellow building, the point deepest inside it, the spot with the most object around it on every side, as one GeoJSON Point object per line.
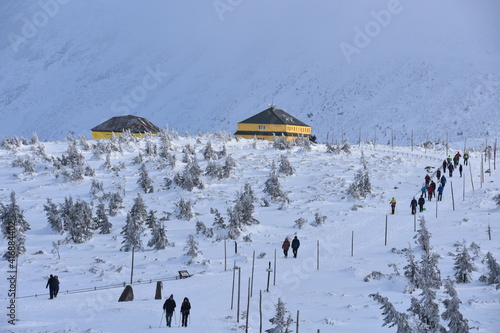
{"type": "Point", "coordinates": [118, 125]}
{"type": "Point", "coordinates": [270, 123]}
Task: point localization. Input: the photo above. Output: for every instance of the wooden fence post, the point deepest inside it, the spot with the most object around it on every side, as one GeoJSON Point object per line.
{"type": "Point", "coordinates": [352, 244]}
{"type": "Point", "coordinates": [385, 230]}
{"type": "Point", "coordinates": [452, 197]}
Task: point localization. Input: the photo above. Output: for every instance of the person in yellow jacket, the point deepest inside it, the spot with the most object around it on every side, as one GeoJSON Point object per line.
{"type": "Point", "coordinates": [393, 205]}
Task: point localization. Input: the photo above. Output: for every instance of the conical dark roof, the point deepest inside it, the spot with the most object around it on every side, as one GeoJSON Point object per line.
{"type": "Point", "coordinates": [273, 116]}
{"type": "Point", "coordinates": [124, 123]}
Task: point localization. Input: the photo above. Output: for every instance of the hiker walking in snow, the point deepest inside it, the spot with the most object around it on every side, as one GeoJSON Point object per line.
{"type": "Point", "coordinates": [438, 174]}
{"type": "Point", "coordinates": [413, 206]}
{"type": "Point", "coordinates": [450, 169]}
{"type": "Point", "coordinates": [440, 192]}
{"type": "Point", "coordinates": [444, 166]}
{"type": "Point", "coordinates": [433, 186]}
{"type": "Point", "coordinates": [466, 158]}
{"type": "Point", "coordinates": [443, 180]}
{"type": "Point", "coordinates": [285, 247]}
{"type": "Point", "coordinates": [460, 169]}
{"type": "Point", "coordinates": [56, 285]}
{"type": "Point", "coordinates": [421, 202]}
{"type": "Point", "coordinates": [427, 179]}
{"type": "Point", "coordinates": [424, 189]}
{"type": "Point", "coordinates": [429, 193]}
{"type": "Point", "coordinates": [52, 284]}
{"type": "Point", "coordinates": [393, 205]}
{"type": "Point", "coordinates": [456, 158]}
{"type": "Point", "coordinates": [185, 307]}
{"type": "Point", "coordinates": [449, 160]}
{"type": "Point", "coordinates": [295, 246]}
{"type": "Point", "coordinates": [169, 308]}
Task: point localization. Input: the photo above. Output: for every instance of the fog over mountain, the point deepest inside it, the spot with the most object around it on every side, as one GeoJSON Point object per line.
{"type": "Point", "coordinates": [202, 66]}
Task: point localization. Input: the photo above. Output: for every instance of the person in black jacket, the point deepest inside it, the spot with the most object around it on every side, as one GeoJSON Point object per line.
{"type": "Point", "coordinates": [413, 206]}
{"type": "Point", "coordinates": [53, 285]}
{"type": "Point", "coordinates": [169, 307]}
{"type": "Point", "coordinates": [185, 307]}
{"type": "Point", "coordinates": [421, 202]}
{"type": "Point", "coordinates": [295, 246]}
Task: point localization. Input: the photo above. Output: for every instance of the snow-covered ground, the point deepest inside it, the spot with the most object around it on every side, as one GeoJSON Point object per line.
{"type": "Point", "coordinates": [333, 298]}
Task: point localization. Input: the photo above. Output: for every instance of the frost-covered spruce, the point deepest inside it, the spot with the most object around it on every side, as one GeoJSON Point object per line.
{"type": "Point", "coordinates": [27, 164]}
{"type": "Point", "coordinates": [144, 181]}
{"type": "Point", "coordinates": [159, 240]}
{"type": "Point", "coordinates": [463, 266]}
{"type": "Point", "coordinates": [281, 320]}
{"type": "Point", "coordinates": [139, 211]}
{"type": "Point", "coordinates": [14, 225]}
{"type": "Point", "coordinates": [184, 210]}
{"type": "Point", "coordinates": [151, 219]}
{"type": "Point", "coordinates": [96, 187]}
{"type": "Point", "coordinates": [392, 316]}
{"type": "Point", "coordinates": [209, 153]}
{"type": "Point", "coordinates": [493, 276]}
{"type": "Point", "coordinates": [192, 249]}
{"type": "Point", "coordinates": [457, 323]}
{"type": "Point", "coordinates": [80, 222]}
{"type": "Point", "coordinates": [361, 186]}
{"type": "Point", "coordinates": [412, 272]}
{"type": "Point", "coordinates": [102, 220]}
{"type": "Point", "coordinates": [201, 227]}
{"type": "Point", "coordinates": [190, 177]}
{"type": "Point", "coordinates": [131, 234]}
{"type": "Point", "coordinates": [115, 203]}
{"type": "Point", "coordinates": [423, 236]}
{"type": "Point", "coordinates": [426, 312]}
{"type": "Point", "coordinates": [53, 216]}
{"type": "Point", "coordinates": [234, 223]}
{"type": "Point", "coordinates": [273, 188]}
{"type": "Point", "coordinates": [281, 143]}
{"type": "Point", "coordinates": [214, 170]}
{"type": "Point", "coordinates": [319, 219]}
{"type": "Point", "coordinates": [285, 167]}
{"type": "Point", "coordinates": [244, 206]}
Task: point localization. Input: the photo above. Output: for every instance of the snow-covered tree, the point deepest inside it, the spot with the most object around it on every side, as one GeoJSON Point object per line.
{"type": "Point", "coordinates": [361, 186]}
{"type": "Point", "coordinates": [131, 234]}
{"type": "Point", "coordinates": [412, 271]}
{"type": "Point", "coordinates": [392, 316]}
{"type": "Point", "coordinates": [151, 219]}
{"type": "Point", "coordinates": [319, 219]}
{"type": "Point", "coordinates": [184, 210]}
{"type": "Point", "coordinates": [14, 226]}
{"type": "Point", "coordinates": [281, 320]}
{"type": "Point", "coordinates": [202, 228]}
{"type": "Point", "coordinates": [457, 323]}
{"type": "Point", "coordinates": [463, 266]}
{"type": "Point", "coordinates": [159, 240]}
{"type": "Point", "coordinates": [53, 216]}
{"type": "Point", "coordinates": [493, 275]}
{"type": "Point", "coordinates": [273, 188]}
{"type": "Point", "coordinates": [115, 203]}
{"type": "Point", "coordinates": [281, 143]}
{"type": "Point", "coordinates": [188, 153]}
{"type": "Point", "coordinates": [426, 311]}
{"type": "Point", "coordinates": [285, 167]}
{"type": "Point", "coordinates": [209, 153]}
{"type": "Point", "coordinates": [139, 212]}
{"type": "Point", "coordinates": [235, 225]}
{"type": "Point", "coordinates": [96, 187]}
{"type": "Point", "coordinates": [26, 163]}
{"type": "Point", "coordinates": [423, 235]}
{"type": "Point", "coordinates": [214, 170]}
{"type": "Point", "coordinates": [144, 181]}
{"type": "Point", "coordinates": [81, 222]}
{"type": "Point", "coordinates": [219, 223]}
{"type": "Point", "coordinates": [190, 177]}
{"type": "Point", "coordinates": [101, 219]}
{"type": "Point", "coordinates": [300, 222]}
{"type": "Point", "coordinates": [192, 250]}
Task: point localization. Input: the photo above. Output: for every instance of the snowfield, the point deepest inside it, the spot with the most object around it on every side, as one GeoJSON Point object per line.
{"type": "Point", "coordinates": [328, 293]}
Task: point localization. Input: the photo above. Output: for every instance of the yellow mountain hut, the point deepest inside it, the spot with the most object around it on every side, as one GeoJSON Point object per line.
{"type": "Point", "coordinates": [272, 122]}
{"type": "Point", "coordinates": [137, 126]}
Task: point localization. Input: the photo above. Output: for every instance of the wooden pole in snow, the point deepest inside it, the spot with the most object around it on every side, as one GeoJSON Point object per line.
{"type": "Point", "coordinates": [385, 243]}
{"type": "Point", "coordinates": [352, 244]}
{"type": "Point", "coordinates": [132, 270]}
{"type": "Point", "coordinates": [452, 196]}
{"type": "Point", "coordinates": [248, 305]}
{"type": "Point", "coordinates": [232, 290]}
{"type": "Point", "coordinates": [225, 255]}
{"type": "Point", "coordinates": [239, 294]}
{"type": "Point", "coordinates": [274, 272]}
{"type": "Point", "coordinates": [260, 312]}
{"type": "Point", "coordinates": [253, 266]}
{"type": "Point", "coordinates": [297, 321]}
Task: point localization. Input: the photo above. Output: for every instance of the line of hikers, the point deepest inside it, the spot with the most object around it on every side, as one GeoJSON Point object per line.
{"type": "Point", "coordinates": [429, 187]}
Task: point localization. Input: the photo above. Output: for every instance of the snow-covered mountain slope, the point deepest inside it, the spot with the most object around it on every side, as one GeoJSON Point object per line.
{"type": "Point", "coordinates": [343, 66]}
{"type": "Point", "coordinates": [332, 297]}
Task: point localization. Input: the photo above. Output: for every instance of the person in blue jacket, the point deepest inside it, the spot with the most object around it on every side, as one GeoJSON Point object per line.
{"type": "Point", "coordinates": [440, 192]}
{"type": "Point", "coordinates": [443, 180]}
